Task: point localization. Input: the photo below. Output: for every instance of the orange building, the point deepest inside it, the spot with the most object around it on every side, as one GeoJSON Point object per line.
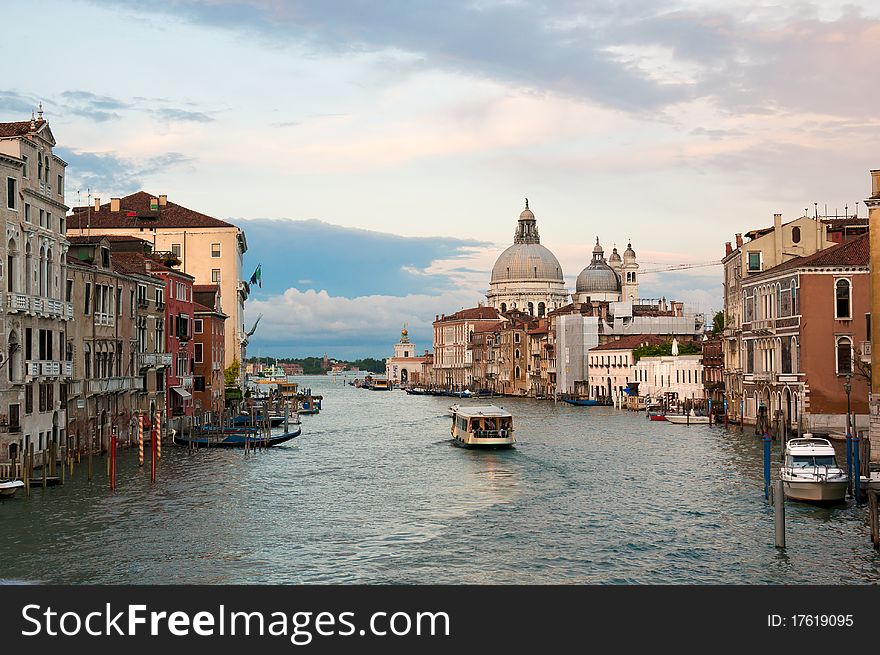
{"type": "Point", "coordinates": [806, 327]}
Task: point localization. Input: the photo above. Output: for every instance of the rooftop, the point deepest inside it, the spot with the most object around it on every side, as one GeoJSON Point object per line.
{"type": "Point", "coordinates": [473, 313]}
{"type": "Point", "coordinates": [855, 252]}
{"type": "Point", "coordinates": [634, 341]}
{"type": "Point", "coordinates": [135, 212]}
{"type": "Point", "coordinates": [19, 128]}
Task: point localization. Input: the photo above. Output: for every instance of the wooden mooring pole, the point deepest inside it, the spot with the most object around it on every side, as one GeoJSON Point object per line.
{"type": "Point", "coordinates": [779, 512]}
{"type": "Point", "coordinates": [873, 497]}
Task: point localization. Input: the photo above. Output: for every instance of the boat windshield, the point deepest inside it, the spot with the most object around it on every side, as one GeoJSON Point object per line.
{"type": "Point", "coordinates": [812, 461]}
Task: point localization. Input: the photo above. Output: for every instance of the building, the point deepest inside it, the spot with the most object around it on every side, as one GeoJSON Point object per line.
{"type": "Point", "coordinates": [209, 250]}
{"type": "Point", "coordinates": [116, 345]}
{"type": "Point", "coordinates": [209, 340]}
{"type": "Point", "coordinates": [611, 367]}
{"type": "Point", "coordinates": [512, 354]}
{"type": "Point", "coordinates": [527, 276]}
{"type": "Point", "coordinates": [405, 367]}
{"type": "Point", "coordinates": [673, 378]}
{"type": "Point", "coordinates": [713, 370]}
{"type": "Point", "coordinates": [765, 249]}
{"type": "Point", "coordinates": [451, 364]}
{"type": "Point", "coordinates": [34, 373]}
{"type": "Point", "coordinates": [805, 328]}
{"type": "Point", "coordinates": [177, 299]}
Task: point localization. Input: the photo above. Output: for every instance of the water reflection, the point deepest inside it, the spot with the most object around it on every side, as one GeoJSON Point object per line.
{"type": "Point", "coordinates": [375, 491]}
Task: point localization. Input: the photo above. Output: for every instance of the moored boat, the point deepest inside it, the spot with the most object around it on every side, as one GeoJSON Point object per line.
{"type": "Point", "coordinates": [691, 418]}
{"type": "Point", "coordinates": [225, 438]}
{"type": "Point", "coordinates": [582, 402]}
{"type": "Point", "coordinates": [9, 487]}
{"type": "Point", "coordinates": [810, 471]}
{"type": "Point", "coordinates": [485, 426]}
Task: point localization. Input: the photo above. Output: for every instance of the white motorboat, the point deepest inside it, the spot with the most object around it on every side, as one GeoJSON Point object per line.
{"type": "Point", "coordinates": [810, 471]}
{"type": "Point", "coordinates": [9, 487]}
{"type": "Point", "coordinates": [484, 426]}
{"type": "Point", "coordinates": [687, 419]}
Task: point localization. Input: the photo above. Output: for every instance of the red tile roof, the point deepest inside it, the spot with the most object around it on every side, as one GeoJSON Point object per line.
{"type": "Point", "coordinates": [474, 313]}
{"type": "Point", "coordinates": [199, 308]}
{"type": "Point", "coordinates": [634, 341]}
{"type": "Point", "coordinates": [134, 212]}
{"type": "Point", "coordinates": [207, 288]}
{"type": "Point", "coordinates": [19, 128]}
{"type": "Point", "coordinates": [855, 252]}
{"type": "Point", "coordinates": [133, 262]}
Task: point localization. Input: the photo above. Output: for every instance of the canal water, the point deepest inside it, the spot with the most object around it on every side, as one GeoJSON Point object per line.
{"type": "Point", "coordinates": [375, 492]}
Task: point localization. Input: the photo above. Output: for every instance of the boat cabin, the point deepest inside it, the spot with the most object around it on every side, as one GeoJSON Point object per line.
{"type": "Point", "coordinates": [486, 426]}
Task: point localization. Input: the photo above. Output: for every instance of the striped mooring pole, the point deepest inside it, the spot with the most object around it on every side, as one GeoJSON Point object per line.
{"type": "Point", "coordinates": [140, 439]}
{"type": "Point", "coordinates": [158, 435]}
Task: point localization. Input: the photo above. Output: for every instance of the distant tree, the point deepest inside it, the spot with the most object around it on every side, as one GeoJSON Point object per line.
{"type": "Point", "coordinates": [231, 373]}
{"type": "Point", "coordinates": [665, 349]}
{"type": "Point", "coordinates": [718, 323]}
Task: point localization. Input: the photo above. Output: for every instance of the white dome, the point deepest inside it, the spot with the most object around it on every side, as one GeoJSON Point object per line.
{"type": "Point", "coordinates": [527, 261]}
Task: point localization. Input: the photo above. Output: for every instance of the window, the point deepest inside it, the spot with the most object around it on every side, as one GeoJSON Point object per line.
{"type": "Point", "coordinates": [199, 383]}
{"type": "Point", "coordinates": [60, 186]}
{"type": "Point", "coordinates": [215, 250]}
{"type": "Point", "coordinates": [175, 249]}
{"type": "Point", "coordinates": [843, 304]}
{"type": "Point", "coordinates": [198, 353]}
{"type": "Point", "coordinates": [215, 275]}
{"type": "Point", "coordinates": [11, 192]}
{"type": "Point", "coordinates": [868, 326]}
{"type": "Point", "coordinates": [795, 235]}
{"type": "Point", "coordinates": [754, 262]}
{"type": "Point", "coordinates": [24, 168]}
{"type": "Point", "coordinates": [48, 220]}
{"type": "Point", "coordinates": [160, 297]}
{"type": "Point", "coordinates": [88, 299]}
{"type": "Point", "coordinates": [27, 212]}
{"type": "Point", "coordinates": [844, 356]}
{"type": "Point", "coordinates": [197, 327]}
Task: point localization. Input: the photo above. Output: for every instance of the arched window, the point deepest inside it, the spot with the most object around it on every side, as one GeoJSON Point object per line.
{"type": "Point", "coordinates": [516, 353]}
{"type": "Point", "coordinates": [87, 360]}
{"type": "Point", "coordinates": [517, 372]}
{"type": "Point", "coordinates": [41, 288]}
{"type": "Point", "coordinates": [503, 307]}
{"type": "Point", "coordinates": [795, 308]}
{"type": "Point", "coordinates": [796, 235]}
{"type": "Point", "coordinates": [844, 356]}
{"type": "Point", "coordinates": [843, 299]}
{"type": "Point", "coordinates": [531, 309]}
{"type": "Point", "coordinates": [795, 363]}
{"type": "Point", "coordinates": [542, 308]}
{"type": "Point", "coordinates": [14, 363]}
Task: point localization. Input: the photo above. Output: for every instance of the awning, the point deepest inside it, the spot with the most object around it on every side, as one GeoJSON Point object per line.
{"type": "Point", "coordinates": [183, 393]}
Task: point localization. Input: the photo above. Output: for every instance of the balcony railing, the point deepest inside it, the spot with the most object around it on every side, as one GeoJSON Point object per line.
{"type": "Point", "coordinates": [108, 385]}
{"type": "Point", "coordinates": [187, 381]}
{"type": "Point", "coordinates": [21, 302]}
{"type": "Point", "coordinates": [149, 360]}
{"type": "Point", "coordinates": [48, 368]}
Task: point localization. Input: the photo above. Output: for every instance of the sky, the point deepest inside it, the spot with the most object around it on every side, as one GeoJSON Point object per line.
{"type": "Point", "coordinates": [377, 154]}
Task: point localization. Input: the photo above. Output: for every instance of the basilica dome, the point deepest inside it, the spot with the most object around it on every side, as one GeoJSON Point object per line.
{"type": "Point", "coordinates": [598, 277]}
{"type": "Point", "coordinates": [526, 259]}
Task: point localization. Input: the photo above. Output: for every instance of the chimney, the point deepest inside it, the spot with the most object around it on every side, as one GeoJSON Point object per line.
{"type": "Point", "coordinates": [777, 238]}
{"type": "Point", "coordinates": [739, 240]}
{"type": "Point", "coordinates": [97, 204]}
{"type": "Point", "coordinates": [875, 184]}
{"type": "Point", "coordinates": [114, 204]}
{"type": "Point", "coordinates": [728, 248]}
{"type": "Point", "coordinates": [163, 200]}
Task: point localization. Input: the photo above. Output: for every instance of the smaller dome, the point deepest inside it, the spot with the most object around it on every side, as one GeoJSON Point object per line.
{"type": "Point", "coordinates": [629, 254]}
{"type": "Point", "coordinates": [597, 250]}
{"type": "Point", "coordinates": [598, 277]}
{"type": "Point", "coordinates": [527, 213]}
{"type": "Point", "coordinates": [614, 258]}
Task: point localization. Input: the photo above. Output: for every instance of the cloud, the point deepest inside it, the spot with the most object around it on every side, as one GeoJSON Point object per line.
{"type": "Point", "coordinates": [311, 254]}
{"type": "Point", "coordinates": [175, 115]}
{"type": "Point", "coordinates": [17, 106]}
{"type": "Point", "coordinates": [108, 174]}
{"type": "Point", "coordinates": [310, 322]}
{"type": "Point", "coordinates": [92, 106]}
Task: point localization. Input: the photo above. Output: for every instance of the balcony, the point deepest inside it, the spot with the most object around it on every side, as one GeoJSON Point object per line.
{"type": "Point", "coordinates": [17, 302]}
{"type": "Point", "coordinates": [151, 360]}
{"type": "Point", "coordinates": [110, 385]}
{"type": "Point", "coordinates": [186, 381]}
{"type": "Point", "coordinates": [763, 376]}
{"type": "Point", "coordinates": [20, 302]}
{"type": "Point", "coordinates": [865, 351]}
{"type": "Point", "coordinates": [48, 368]}
{"type": "Point", "coordinates": [765, 326]}
{"type": "Point", "coordinates": [103, 318]}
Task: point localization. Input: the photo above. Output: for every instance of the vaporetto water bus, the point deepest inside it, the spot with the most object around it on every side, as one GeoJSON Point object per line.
{"type": "Point", "coordinates": [484, 426]}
